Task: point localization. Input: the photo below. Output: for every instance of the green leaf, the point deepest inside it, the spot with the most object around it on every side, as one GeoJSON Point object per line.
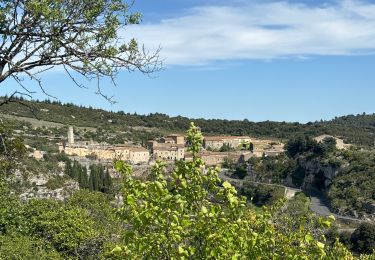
{"type": "Point", "coordinates": [320, 245]}
{"type": "Point", "coordinates": [309, 238]}
{"type": "Point", "coordinates": [227, 185]}
{"type": "Point", "coordinates": [116, 250]}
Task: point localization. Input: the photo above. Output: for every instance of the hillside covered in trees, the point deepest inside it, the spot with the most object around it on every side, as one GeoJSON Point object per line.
{"type": "Point", "coordinates": [187, 213]}
{"type": "Point", "coordinates": [92, 223]}
{"type": "Point", "coordinates": [355, 129]}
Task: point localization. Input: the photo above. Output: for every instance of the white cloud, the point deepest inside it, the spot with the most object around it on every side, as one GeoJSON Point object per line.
{"type": "Point", "coordinates": [259, 30]}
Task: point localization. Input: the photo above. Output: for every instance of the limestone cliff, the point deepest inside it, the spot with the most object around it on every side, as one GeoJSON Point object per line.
{"type": "Point", "coordinates": [318, 174]}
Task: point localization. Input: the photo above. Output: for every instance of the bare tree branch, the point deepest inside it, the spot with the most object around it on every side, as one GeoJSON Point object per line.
{"type": "Point", "coordinates": [82, 36]}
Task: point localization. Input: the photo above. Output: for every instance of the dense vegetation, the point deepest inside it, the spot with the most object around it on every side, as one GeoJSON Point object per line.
{"type": "Point", "coordinates": [49, 229]}
{"type": "Point", "coordinates": [98, 179]}
{"type": "Point", "coordinates": [166, 215]}
{"type": "Point", "coordinates": [363, 238]}
{"type": "Point", "coordinates": [351, 180]}
{"type": "Point", "coordinates": [191, 214]}
{"type": "Point", "coordinates": [262, 194]}
{"type": "Point", "coordinates": [359, 129]}
{"type": "Point", "coordinates": [187, 214]}
{"type": "Point", "coordinates": [353, 188]}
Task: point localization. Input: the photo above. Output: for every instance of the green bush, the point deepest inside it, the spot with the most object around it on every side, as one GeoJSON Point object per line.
{"type": "Point", "coordinates": [262, 194]}
{"type": "Point", "coordinates": [55, 182]}
{"type": "Point", "coordinates": [65, 228]}
{"type": "Point", "coordinates": [363, 238]}
{"type": "Point", "coordinates": [25, 247]}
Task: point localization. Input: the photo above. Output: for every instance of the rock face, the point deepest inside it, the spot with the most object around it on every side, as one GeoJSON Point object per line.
{"type": "Point", "coordinates": [318, 175]}
{"type": "Point", "coordinates": [42, 192]}
{"type": "Point", "coordinates": [370, 207]}
{"type": "Point", "coordinates": [31, 186]}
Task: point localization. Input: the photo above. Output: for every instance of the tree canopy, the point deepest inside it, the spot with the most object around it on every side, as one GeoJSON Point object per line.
{"type": "Point", "coordinates": [81, 36]}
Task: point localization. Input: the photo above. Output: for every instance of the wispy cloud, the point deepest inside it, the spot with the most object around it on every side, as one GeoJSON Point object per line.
{"type": "Point", "coordinates": [262, 30]}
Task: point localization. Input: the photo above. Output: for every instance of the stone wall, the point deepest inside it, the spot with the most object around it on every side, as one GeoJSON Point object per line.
{"type": "Point", "coordinates": [132, 154]}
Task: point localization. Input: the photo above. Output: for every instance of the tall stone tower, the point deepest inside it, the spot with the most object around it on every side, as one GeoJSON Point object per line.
{"type": "Point", "coordinates": [70, 135]}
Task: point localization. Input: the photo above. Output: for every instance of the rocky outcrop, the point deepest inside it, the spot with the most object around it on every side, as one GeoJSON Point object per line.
{"type": "Point", "coordinates": [318, 174]}
{"type": "Point", "coordinates": [42, 192]}
{"type": "Point", "coordinates": [28, 185]}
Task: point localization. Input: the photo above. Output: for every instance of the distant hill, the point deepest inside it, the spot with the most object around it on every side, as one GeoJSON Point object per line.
{"type": "Point", "coordinates": [356, 129]}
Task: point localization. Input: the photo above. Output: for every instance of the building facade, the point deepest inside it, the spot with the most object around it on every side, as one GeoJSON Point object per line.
{"type": "Point", "coordinates": [134, 155]}
{"type": "Point", "coordinates": [168, 153]}
{"type": "Point", "coordinates": [169, 148]}
{"type": "Point", "coordinates": [216, 142]}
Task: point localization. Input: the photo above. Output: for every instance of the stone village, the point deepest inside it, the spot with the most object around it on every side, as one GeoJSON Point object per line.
{"type": "Point", "coordinates": [172, 148]}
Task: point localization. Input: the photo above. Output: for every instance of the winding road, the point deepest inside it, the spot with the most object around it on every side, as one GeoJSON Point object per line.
{"type": "Point", "coordinates": [318, 204]}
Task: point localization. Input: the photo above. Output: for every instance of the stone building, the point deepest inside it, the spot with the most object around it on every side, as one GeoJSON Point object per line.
{"type": "Point", "coordinates": [218, 158]}
{"type": "Point", "coordinates": [132, 154]}
{"type": "Point", "coordinates": [138, 155]}
{"type": "Point", "coordinates": [216, 142]}
{"type": "Point", "coordinates": [173, 139]}
{"type": "Point", "coordinates": [169, 148]}
{"type": "Point", "coordinates": [167, 140]}
{"type": "Point", "coordinates": [264, 147]}
{"type": "Point", "coordinates": [178, 139]}
{"type": "Point", "coordinates": [103, 151]}
{"type": "Point", "coordinates": [70, 135]}
{"type": "Point", "coordinates": [169, 153]}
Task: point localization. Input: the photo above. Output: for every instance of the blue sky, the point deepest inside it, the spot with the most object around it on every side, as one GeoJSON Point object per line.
{"type": "Point", "coordinates": [236, 59]}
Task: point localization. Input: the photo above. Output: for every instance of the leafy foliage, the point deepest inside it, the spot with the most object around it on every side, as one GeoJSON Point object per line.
{"type": "Point", "coordinates": [49, 229]}
{"type": "Point", "coordinates": [275, 169]}
{"type": "Point", "coordinates": [188, 213]}
{"type": "Point", "coordinates": [81, 36]}
{"type": "Point", "coordinates": [11, 149]}
{"type": "Point", "coordinates": [24, 247]}
{"type": "Point", "coordinates": [65, 228]}
{"type": "Point", "coordinates": [77, 172]}
{"type": "Point", "coordinates": [305, 144]}
{"type": "Point", "coordinates": [353, 188]}
{"type": "Point", "coordinates": [226, 148]}
{"type": "Point", "coordinates": [191, 214]}
{"type": "Point", "coordinates": [262, 194]}
{"type": "Point", "coordinates": [363, 238]}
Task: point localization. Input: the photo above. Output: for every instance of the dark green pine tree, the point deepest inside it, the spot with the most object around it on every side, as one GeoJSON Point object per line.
{"type": "Point", "coordinates": [99, 179]}
{"type": "Point", "coordinates": [85, 178]}
{"type": "Point", "coordinates": [76, 170]}
{"type": "Point", "coordinates": [91, 181]}
{"type": "Point", "coordinates": [92, 178]}
{"type": "Point", "coordinates": [101, 175]}
{"type": "Point", "coordinates": [68, 168]}
{"type": "Point", "coordinates": [107, 182]}
{"type": "Point", "coordinates": [82, 178]}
